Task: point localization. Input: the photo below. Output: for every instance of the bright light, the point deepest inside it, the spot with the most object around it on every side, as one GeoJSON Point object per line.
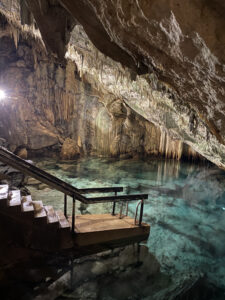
{"type": "Point", "coordinates": [2, 95]}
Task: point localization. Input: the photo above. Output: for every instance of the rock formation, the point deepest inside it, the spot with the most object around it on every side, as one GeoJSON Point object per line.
{"type": "Point", "coordinates": [174, 54]}
{"type": "Point", "coordinates": [106, 108]}
{"type": "Point", "coordinates": [70, 150]}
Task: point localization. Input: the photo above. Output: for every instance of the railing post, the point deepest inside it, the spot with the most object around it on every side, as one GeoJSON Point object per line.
{"type": "Point", "coordinates": [73, 215]}
{"type": "Point", "coordinates": [141, 212]}
{"type": "Point", "coordinates": [65, 205]}
{"type": "Point", "coordinates": [127, 208]}
{"type": "Point", "coordinates": [121, 210]}
{"type": "Point", "coordinates": [114, 206]}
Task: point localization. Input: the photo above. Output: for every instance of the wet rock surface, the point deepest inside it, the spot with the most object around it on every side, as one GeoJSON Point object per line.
{"type": "Point", "coordinates": [70, 150]}
{"type": "Point", "coordinates": [22, 153]}
{"type": "Point", "coordinates": [11, 176]}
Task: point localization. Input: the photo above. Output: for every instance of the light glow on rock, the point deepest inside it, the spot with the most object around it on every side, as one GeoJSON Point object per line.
{"type": "Point", "coordinates": [2, 95]}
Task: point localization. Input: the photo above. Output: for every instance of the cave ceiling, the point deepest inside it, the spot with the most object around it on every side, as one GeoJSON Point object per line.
{"type": "Point", "coordinates": [165, 59]}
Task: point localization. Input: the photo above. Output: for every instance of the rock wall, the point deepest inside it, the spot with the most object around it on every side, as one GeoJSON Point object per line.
{"type": "Point", "coordinates": [169, 54]}
{"type": "Point", "coordinates": [48, 103]}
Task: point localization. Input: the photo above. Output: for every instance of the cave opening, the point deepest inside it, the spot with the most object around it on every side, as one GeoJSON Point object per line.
{"type": "Point", "coordinates": [112, 157]}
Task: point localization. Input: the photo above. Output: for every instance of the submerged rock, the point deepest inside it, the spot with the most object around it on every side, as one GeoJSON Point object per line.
{"type": "Point", "coordinates": [70, 150]}
{"type": "Point", "coordinates": [12, 176]}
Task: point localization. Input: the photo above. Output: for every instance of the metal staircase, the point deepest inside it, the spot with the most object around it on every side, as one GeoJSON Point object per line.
{"type": "Point", "coordinates": [42, 227]}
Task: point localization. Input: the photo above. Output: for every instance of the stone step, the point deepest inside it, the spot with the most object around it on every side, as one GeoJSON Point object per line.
{"type": "Point", "coordinates": [14, 198]}
{"type": "Point", "coordinates": [40, 214]}
{"type": "Point", "coordinates": [63, 223]}
{"type": "Point", "coordinates": [27, 207]}
{"type": "Point", "coordinates": [4, 190]}
{"type": "Point", "coordinates": [27, 204]}
{"type": "Point", "coordinates": [66, 241]}
{"type": "Point", "coordinates": [51, 215]}
{"type": "Point", "coordinates": [14, 201]}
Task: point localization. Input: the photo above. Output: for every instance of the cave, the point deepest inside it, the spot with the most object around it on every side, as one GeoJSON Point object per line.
{"type": "Point", "coordinates": [112, 149]}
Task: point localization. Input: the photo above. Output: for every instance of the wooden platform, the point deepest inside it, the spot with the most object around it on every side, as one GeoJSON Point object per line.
{"type": "Point", "coordinates": [105, 228]}
{"type": "Point", "coordinates": [41, 227]}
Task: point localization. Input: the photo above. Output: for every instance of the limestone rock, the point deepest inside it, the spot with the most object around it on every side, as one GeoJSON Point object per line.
{"type": "Point", "coordinates": [22, 153]}
{"type": "Point", "coordinates": [70, 150]}
{"type": "Point", "coordinates": [49, 102]}
{"type": "Point", "coordinates": [3, 142]}
{"type": "Point", "coordinates": [14, 177]}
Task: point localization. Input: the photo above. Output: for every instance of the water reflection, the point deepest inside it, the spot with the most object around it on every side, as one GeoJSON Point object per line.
{"type": "Point", "coordinates": [120, 274]}
{"type": "Point", "coordinates": [186, 248]}
{"type": "Point", "coordinates": [185, 208]}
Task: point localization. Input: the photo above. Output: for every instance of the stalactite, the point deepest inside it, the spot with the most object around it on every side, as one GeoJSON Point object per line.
{"type": "Point", "coordinates": [16, 35]}
{"type": "Point", "coordinates": [117, 75]}
{"type": "Point", "coordinates": [180, 150]}
{"type": "Point", "coordinates": [10, 6]}
{"type": "Point", "coordinates": [35, 59]}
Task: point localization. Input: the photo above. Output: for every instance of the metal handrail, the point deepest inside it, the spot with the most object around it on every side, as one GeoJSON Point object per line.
{"type": "Point", "coordinates": [121, 210]}
{"type": "Point", "coordinates": [141, 212]}
{"type": "Point", "coordinates": [101, 190]}
{"type": "Point", "coordinates": [127, 208]}
{"type": "Point", "coordinates": [35, 172]}
{"type": "Point", "coordinates": [132, 197]}
{"type": "Point", "coordinates": [68, 190]}
{"type": "Point", "coordinates": [43, 176]}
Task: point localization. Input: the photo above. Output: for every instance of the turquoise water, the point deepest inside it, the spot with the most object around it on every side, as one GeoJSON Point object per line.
{"type": "Point", "coordinates": [184, 257]}
{"type": "Point", "coordinates": [186, 211]}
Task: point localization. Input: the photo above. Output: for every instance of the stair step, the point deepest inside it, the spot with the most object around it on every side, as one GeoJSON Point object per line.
{"type": "Point", "coordinates": [14, 198]}
{"type": "Point", "coordinates": [63, 223]}
{"type": "Point", "coordinates": [39, 211]}
{"type": "Point", "coordinates": [4, 189]}
{"type": "Point", "coordinates": [27, 204]}
{"type": "Point", "coordinates": [51, 215]}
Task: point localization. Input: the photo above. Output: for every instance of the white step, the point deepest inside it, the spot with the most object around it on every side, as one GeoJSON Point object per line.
{"type": "Point", "coordinates": [14, 198]}
{"type": "Point", "coordinates": [51, 215]}
{"type": "Point", "coordinates": [63, 223]}
{"type": "Point", "coordinates": [4, 189]}
{"type": "Point", "coordinates": [27, 204]}
{"type": "Point", "coordinates": [39, 211]}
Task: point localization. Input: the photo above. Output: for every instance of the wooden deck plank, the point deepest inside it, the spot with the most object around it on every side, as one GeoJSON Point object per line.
{"type": "Point", "coordinates": [105, 228]}
{"type": "Point", "coordinates": [101, 222]}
